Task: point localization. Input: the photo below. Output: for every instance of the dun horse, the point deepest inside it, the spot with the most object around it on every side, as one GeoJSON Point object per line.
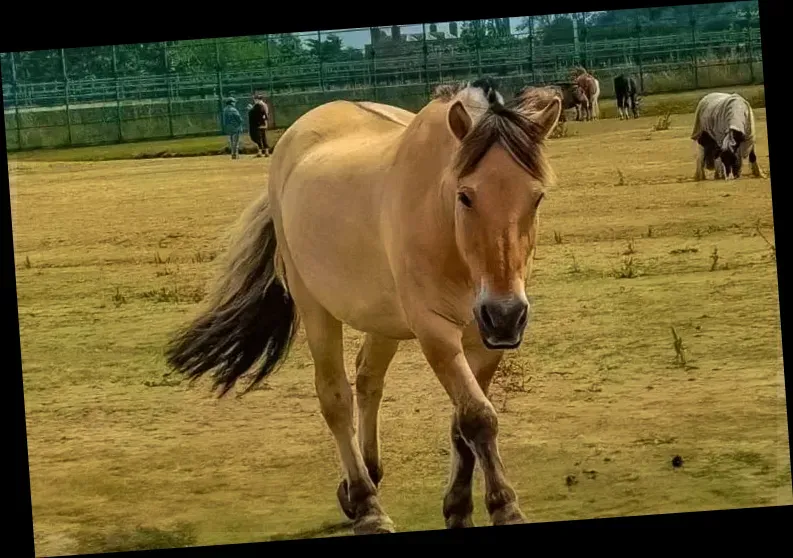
{"type": "Point", "coordinates": [403, 226]}
{"type": "Point", "coordinates": [591, 88]}
{"type": "Point", "coordinates": [724, 131]}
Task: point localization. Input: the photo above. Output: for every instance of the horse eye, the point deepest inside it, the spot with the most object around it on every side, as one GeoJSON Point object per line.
{"type": "Point", "coordinates": [464, 199]}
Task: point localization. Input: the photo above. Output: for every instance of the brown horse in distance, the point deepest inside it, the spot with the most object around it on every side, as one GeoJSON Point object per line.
{"type": "Point", "coordinates": [532, 98]}
{"type": "Point", "coordinates": [591, 88]}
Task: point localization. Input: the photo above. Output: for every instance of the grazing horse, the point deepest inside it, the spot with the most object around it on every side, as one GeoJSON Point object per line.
{"type": "Point", "coordinates": [625, 90]}
{"type": "Point", "coordinates": [591, 88]}
{"type": "Point", "coordinates": [724, 131]}
{"type": "Point", "coordinates": [536, 98]}
{"type": "Point", "coordinates": [402, 226]}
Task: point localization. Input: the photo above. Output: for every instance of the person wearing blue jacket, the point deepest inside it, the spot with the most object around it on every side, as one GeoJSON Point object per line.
{"type": "Point", "coordinates": [232, 126]}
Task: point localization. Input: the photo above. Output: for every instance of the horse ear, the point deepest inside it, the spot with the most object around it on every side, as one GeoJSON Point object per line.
{"type": "Point", "coordinates": [548, 117]}
{"type": "Point", "coordinates": [459, 120]}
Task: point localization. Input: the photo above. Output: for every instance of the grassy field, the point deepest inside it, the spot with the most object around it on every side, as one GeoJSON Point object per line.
{"type": "Point", "coordinates": [111, 257]}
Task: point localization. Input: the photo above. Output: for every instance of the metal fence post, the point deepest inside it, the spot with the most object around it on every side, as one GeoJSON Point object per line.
{"type": "Point", "coordinates": [219, 84]}
{"type": "Point", "coordinates": [576, 42]}
{"type": "Point", "coordinates": [319, 58]}
{"type": "Point", "coordinates": [426, 60]}
{"type": "Point", "coordinates": [66, 95]}
{"type": "Point", "coordinates": [477, 47]}
{"type": "Point", "coordinates": [749, 46]}
{"type": "Point", "coordinates": [694, 46]}
{"type": "Point", "coordinates": [584, 48]}
{"type": "Point", "coordinates": [373, 64]}
{"type": "Point", "coordinates": [118, 96]}
{"type": "Point", "coordinates": [16, 100]}
{"type": "Point", "coordinates": [168, 86]}
{"type": "Point", "coordinates": [269, 63]}
{"type": "Point", "coordinates": [531, 50]}
{"type": "Point", "coordinates": [638, 30]}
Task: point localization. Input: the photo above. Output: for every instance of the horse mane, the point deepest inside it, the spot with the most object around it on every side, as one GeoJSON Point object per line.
{"type": "Point", "coordinates": [532, 99]}
{"type": "Point", "coordinates": [506, 124]}
{"type": "Point", "coordinates": [447, 91]}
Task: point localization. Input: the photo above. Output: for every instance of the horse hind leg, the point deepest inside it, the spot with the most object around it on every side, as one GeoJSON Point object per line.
{"type": "Point", "coordinates": [458, 505]}
{"type": "Point", "coordinates": [358, 494]}
{"type": "Point", "coordinates": [720, 170]}
{"type": "Point", "coordinates": [699, 174]}
{"type": "Point", "coordinates": [757, 172]}
{"type": "Point", "coordinates": [372, 363]}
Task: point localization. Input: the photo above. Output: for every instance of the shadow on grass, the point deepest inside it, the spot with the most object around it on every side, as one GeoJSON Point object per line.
{"type": "Point", "coordinates": [324, 530]}
{"type": "Point", "coordinates": [181, 536]}
{"type": "Point", "coordinates": [140, 538]}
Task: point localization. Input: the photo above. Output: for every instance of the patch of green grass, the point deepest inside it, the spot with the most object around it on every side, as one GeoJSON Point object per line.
{"type": "Point", "coordinates": [182, 147]}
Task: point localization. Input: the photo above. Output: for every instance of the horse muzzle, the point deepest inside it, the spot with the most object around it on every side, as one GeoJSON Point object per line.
{"type": "Point", "coordinates": [502, 322]}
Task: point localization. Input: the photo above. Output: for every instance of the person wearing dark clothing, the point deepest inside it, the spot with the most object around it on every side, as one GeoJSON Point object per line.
{"type": "Point", "coordinates": [258, 121]}
{"type": "Point", "coordinates": [232, 126]}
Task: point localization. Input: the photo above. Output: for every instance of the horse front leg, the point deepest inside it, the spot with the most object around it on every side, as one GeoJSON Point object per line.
{"type": "Point", "coordinates": [476, 422]}
{"type": "Point", "coordinates": [458, 505]}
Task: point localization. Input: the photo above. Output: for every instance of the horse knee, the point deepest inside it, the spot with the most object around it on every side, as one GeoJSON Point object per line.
{"type": "Point", "coordinates": [367, 387]}
{"type": "Point", "coordinates": [478, 423]}
{"type": "Point", "coordinates": [335, 402]}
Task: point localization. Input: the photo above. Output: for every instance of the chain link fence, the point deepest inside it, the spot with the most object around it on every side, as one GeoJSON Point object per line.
{"type": "Point", "coordinates": [126, 93]}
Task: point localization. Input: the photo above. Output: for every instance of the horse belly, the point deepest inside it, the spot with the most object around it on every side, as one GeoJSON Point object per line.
{"type": "Point", "coordinates": [332, 234]}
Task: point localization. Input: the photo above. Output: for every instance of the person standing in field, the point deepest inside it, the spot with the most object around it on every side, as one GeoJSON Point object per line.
{"type": "Point", "coordinates": [258, 122]}
{"type": "Point", "coordinates": [232, 126]}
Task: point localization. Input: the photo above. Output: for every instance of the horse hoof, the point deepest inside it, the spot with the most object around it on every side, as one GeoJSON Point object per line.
{"type": "Point", "coordinates": [342, 493]}
{"type": "Point", "coordinates": [459, 522]}
{"type": "Point", "coordinates": [373, 524]}
{"type": "Point", "coordinates": [508, 515]}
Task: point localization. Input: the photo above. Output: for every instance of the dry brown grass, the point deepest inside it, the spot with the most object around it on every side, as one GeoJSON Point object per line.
{"type": "Point", "coordinates": [124, 455]}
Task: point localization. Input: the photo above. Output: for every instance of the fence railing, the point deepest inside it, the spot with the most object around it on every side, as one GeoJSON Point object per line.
{"type": "Point", "coordinates": [74, 112]}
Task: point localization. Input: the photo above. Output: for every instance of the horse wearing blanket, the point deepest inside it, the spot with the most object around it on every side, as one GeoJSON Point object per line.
{"type": "Point", "coordinates": [725, 134]}
{"type": "Point", "coordinates": [402, 226]}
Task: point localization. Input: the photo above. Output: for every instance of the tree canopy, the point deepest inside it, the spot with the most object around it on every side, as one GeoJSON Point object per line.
{"type": "Point", "coordinates": [197, 56]}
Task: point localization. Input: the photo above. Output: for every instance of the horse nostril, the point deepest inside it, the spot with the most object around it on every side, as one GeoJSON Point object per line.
{"type": "Point", "coordinates": [487, 319]}
{"type": "Point", "coordinates": [523, 317]}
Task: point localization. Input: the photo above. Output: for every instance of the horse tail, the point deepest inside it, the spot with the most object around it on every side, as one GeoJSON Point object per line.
{"type": "Point", "coordinates": [695, 133]}
{"type": "Point", "coordinates": [596, 98]}
{"type": "Point", "coordinates": [249, 315]}
{"type": "Point", "coordinates": [750, 135]}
